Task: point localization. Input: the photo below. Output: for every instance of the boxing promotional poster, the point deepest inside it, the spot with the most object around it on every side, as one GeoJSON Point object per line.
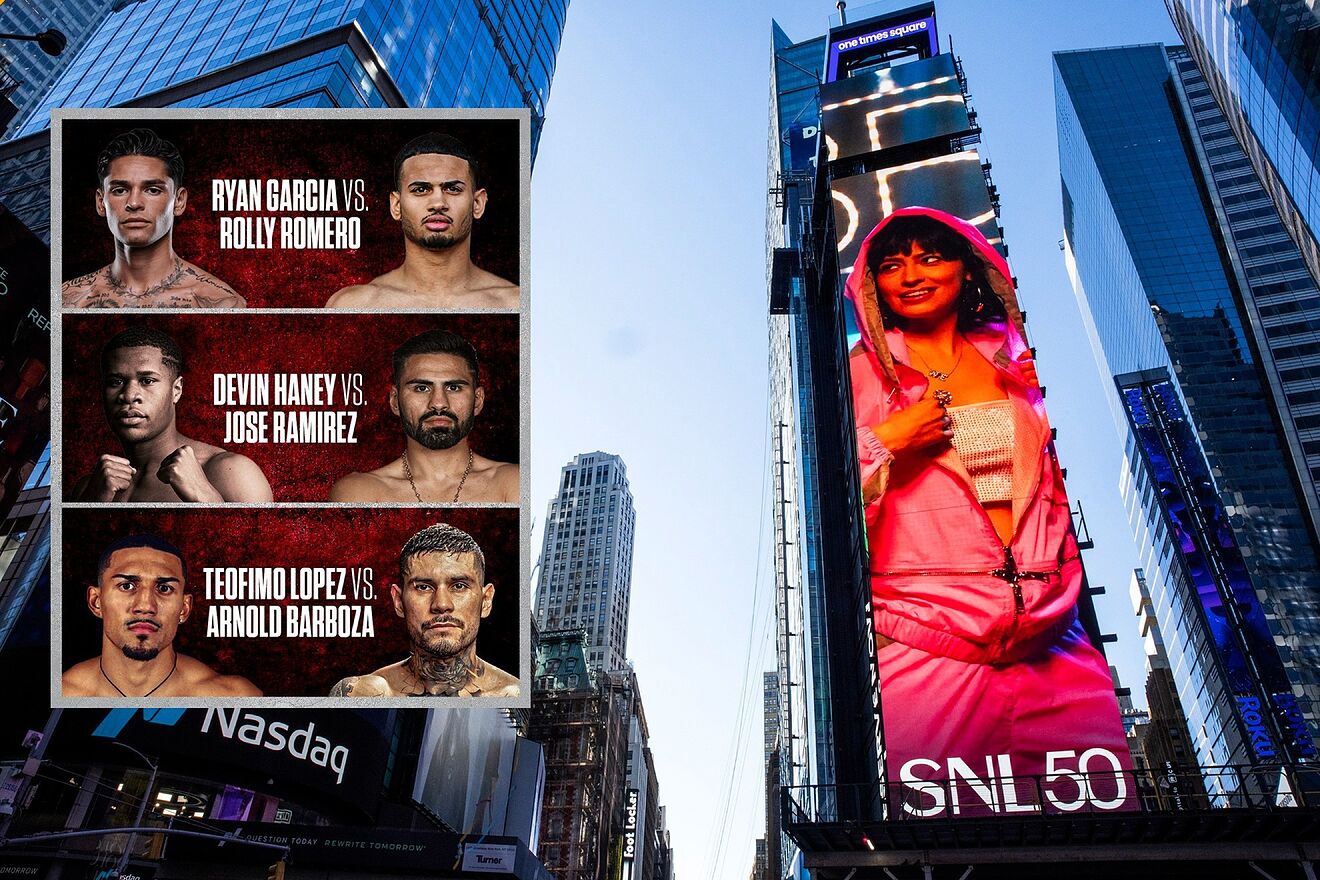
{"type": "Point", "coordinates": [297, 210]}
{"type": "Point", "coordinates": [291, 413]}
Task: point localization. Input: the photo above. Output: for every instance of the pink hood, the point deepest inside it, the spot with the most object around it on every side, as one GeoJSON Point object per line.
{"type": "Point", "coordinates": [878, 340]}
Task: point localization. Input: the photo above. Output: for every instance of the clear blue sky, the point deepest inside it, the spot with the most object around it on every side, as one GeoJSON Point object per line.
{"type": "Point", "coordinates": [649, 338]}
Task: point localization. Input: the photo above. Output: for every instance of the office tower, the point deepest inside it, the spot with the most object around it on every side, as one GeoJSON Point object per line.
{"type": "Point", "coordinates": [32, 68]}
{"type": "Point", "coordinates": [1261, 64]}
{"type": "Point", "coordinates": [806, 756]}
{"type": "Point", "coordinates": [771, 849]}
{"type": "Point", "coordinates": [586, 558]}
{"type": "Point", "coordinates": [1189, 290]}
{"type": "Point", "coordinates": [293, 53]}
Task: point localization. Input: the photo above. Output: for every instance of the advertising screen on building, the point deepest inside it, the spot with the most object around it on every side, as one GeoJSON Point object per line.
{"type": "Point", "coordinates": [862, 45]}
{"type": "Point", "coordinates": [953, 182]}
{"type": "Point", "coordinates": [1271, 719]}
{"type": "Point", "coordinates": [291, 384]}
{"type": "Point", "coordinates": [893, 107]}
{"type": "Point", "coordinates": [24, 356]}
{"type": "Point", "coordinates": [479, 776]}
{"type": "Point", "coordinates": [336, 760]}
{"type": "Point", "coordinates": [993, 699]}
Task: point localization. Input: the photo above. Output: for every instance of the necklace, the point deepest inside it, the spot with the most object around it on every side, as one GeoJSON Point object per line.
{"type": "Point", "coordinates": [101, 663]}
{"type": "Point", "coordinates": [937, 374]}
{"type": "Point", "coordinates": [407, 470]}
{"type": "Point", "coordinates": [122, 289]}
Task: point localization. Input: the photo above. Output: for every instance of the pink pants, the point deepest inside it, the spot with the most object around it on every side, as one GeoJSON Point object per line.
{"type": "Point", "coordinates": [1042, 734]}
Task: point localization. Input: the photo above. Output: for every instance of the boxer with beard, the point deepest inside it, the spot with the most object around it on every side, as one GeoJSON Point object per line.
{"type": "Point", "coordinates": [437, 396]}
{"type": "Point", "coordinates": [442, 596]}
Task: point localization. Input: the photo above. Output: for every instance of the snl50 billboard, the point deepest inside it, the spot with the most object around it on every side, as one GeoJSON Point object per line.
{"type": "Point", "coordinates": [993, 700]}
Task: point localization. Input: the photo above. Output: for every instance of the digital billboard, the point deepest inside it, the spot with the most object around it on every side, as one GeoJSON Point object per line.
{"type": "Point", "coordinates": [1270, 718]}
{"type": "Point", "coordinates": [862, 45]}
{"type": "Point", "coordinates": [892, 107]}
{"type": "Point", "coordinates": [953, 182]}
{"type": "Point", "coordinates": [477, 774]}
{"type": "Point", "coordinates": [25, 392]}
{"type": "Point", "coordinates": [336, 758]}
{"type": "Point", "coordinates": [993, 700]}
{"type": "Point", "coordinates": [290, 381]}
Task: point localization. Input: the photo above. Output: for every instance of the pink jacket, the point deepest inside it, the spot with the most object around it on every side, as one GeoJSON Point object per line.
{"type": "Point", "coordinates": [941, 581]}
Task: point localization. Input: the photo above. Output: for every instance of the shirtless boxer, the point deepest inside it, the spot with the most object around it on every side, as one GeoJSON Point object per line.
{"type": "Point", "coordinates": [437, 397]}
{"type": "Point", "coordinates": [140, 194]}
{"type": "Point", "coordinates": [142, 374]}
{"type": "Point", "coordinates": [437, 198]}
{"type": "Point", "coordinates": [141, 596]}
{"type": "Point", "coordinates": [442, 596]}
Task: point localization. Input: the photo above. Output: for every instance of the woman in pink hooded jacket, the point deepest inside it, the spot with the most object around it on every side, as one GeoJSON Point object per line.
{"type": "Point", "coordinates": [986, 675]}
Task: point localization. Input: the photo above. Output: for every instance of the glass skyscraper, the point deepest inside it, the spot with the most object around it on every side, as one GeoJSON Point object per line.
{"type": "Point", "coordinates": [294, 53]}
{"type": "Point", "coordinates": [28, 64]}
{"type": "Point", "coordinates": [586, 559]}
{"type": "Point", "coordinates": [1196, 301]}
{"type": "Point", "coordinates": [805, 744]}
{"type": "Point", "coordinates": [1261, 62]}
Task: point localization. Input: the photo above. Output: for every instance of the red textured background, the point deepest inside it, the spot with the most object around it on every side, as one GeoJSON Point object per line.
{"type": "Point", "coordinates": [283, 537]}
{"type": "Point", "coordinates": [292, 148]}
{"type": "Point", "coordinates": [324, 342]}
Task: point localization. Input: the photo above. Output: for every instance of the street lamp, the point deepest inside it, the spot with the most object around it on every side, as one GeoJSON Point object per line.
{"type": "Point", "coordinates": [51, 41]}
{"type": "Point", "coordinates": [122, 865]}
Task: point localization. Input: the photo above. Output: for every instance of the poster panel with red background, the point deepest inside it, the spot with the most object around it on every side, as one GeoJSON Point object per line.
{"type": "Point", "coordinates": [287, 207]}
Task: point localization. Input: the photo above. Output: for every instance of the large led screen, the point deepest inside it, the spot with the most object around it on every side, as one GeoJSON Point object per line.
{"type": "Point", "coordinates": [893, 107]}
{"type": "Point", "coordinates": [1271, 720]}
{"type": "Point", "coordinates": [993, 699]}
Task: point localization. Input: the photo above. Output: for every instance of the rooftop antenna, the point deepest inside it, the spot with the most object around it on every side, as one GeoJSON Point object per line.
{"type": "Point", "coordinates": [842, 6]}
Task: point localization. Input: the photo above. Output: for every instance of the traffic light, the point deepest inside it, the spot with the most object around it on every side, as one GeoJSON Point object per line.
{"type": "Point", "coordinates": [276, 871]}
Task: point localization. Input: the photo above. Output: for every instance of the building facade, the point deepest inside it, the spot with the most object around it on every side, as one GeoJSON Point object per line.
{"type": "Point", "coordinates": [292, 53]}
{"type": "Point", "coordinates": [1173, 256]}
{"type": "Point", "coordinates": [806, 755]}
{"type": "Point", "coordinates": [1260, 62]}
{"type": "Point", "coordinates": [28, 65]}
{"type": "Point", "coordinates": [1161, 744]}
{"type": "Point", "coordinates": [583, 719]}
{"type": "Point", "coordinates": [585, 579]}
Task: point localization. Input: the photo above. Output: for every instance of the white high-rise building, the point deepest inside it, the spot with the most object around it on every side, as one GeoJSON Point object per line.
{"type": "Point", "coordinates": [585, 579]}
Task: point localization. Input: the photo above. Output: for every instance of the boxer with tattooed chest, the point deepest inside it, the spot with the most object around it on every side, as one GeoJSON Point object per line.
{"type": "Point", "coordinates": [442, 597]}
{"type": "Point", "coordinates": [140, 193]}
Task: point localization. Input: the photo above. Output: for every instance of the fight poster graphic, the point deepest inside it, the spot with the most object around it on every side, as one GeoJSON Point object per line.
{"type": "Point", "coordinates": [282, 602]}
{"type": "Point", "coordinates": [306, 412]}
{"type": "Point", "coordinates": [292, 209]}
{"type": "Point", "coordinates": [291, 408]}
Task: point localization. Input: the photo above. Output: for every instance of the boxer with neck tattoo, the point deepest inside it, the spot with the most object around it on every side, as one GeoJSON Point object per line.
{"type": "Point", "coordinates": [442, 596]}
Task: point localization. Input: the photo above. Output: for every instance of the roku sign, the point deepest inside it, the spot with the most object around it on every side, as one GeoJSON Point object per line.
{"type": "Point", "coordinates": [1092, 780]}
